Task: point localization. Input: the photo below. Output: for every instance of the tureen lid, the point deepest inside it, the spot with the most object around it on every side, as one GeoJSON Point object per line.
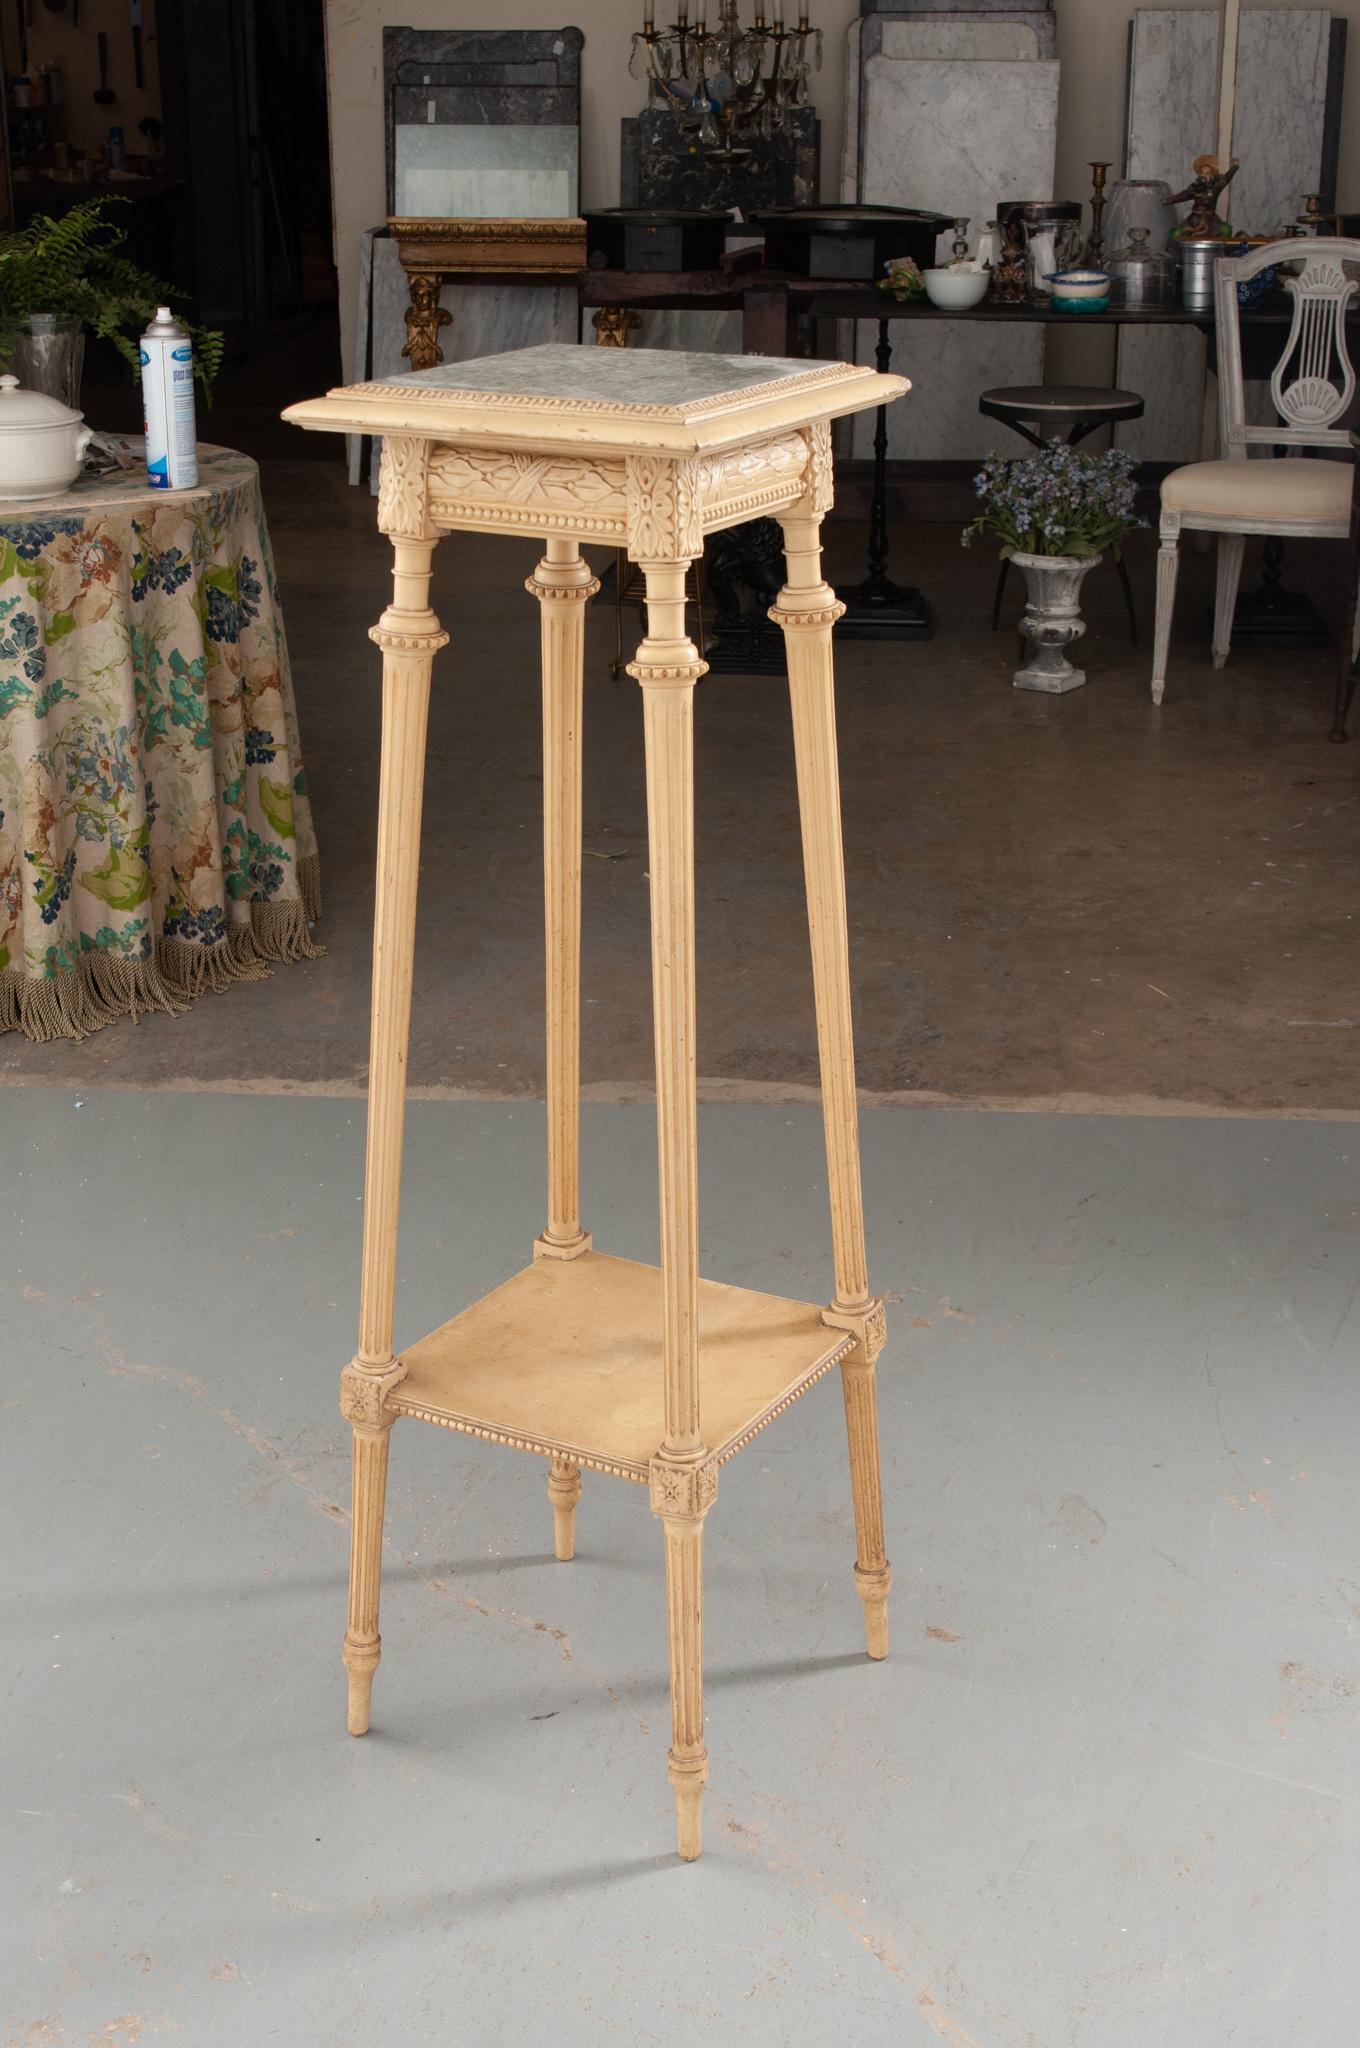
{"type": "Point", "coordinates": [22, 408]}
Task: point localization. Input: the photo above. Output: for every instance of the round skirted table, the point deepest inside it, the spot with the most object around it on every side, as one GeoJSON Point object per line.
{"type": "Point", "coordinates": [155, 834]}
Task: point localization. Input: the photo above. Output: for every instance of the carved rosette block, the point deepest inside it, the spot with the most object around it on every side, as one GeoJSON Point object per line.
{"type": "Point", "coordinates": [869, 1325]}
{"type": "Point", "coordinates": [820, 481]}
{"type": "Point", "coordinates": [364, 1390]}
{"type": "Point", "coordinates": [564, 1491]}
{"type": "Point", "coordinates": [403, 488]}
{"type": "Point", "coordinates": [424, 318]}
{"type": "Point", "coordinates": [663, 501]}
{"type": "Point", "coordinates": [687, 1491]}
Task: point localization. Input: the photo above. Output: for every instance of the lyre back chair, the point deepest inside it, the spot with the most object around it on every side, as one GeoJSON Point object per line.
{"type": "Point", "coordinates": [1311, 388]}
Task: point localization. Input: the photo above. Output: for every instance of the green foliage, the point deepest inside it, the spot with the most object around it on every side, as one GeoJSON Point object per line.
{"type": "Point", "coordinates": [70, 267]}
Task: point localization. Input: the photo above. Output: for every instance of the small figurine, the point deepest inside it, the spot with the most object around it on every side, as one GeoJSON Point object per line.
{"type": "Point", "coordinates": [904, 279]}
{"type": "Point", "coordinates": [1010, 279]}
{"type": "Point", "coordinates": [1202, 194]}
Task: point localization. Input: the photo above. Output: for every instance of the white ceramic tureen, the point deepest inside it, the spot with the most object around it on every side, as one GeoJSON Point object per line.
{"type": "Point", "coordinates": [42, 442]}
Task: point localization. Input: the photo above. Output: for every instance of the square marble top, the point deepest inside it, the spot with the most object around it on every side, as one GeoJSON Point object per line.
{"type": "Point", "coordinates": [618, 376]}
{"type": "Point", "coordinates": [610, 400]}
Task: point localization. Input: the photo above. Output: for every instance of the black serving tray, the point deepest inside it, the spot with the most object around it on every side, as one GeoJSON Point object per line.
{"type": "Point", "coordinates": [851, 243]}
{"type": "Point", "coordinates": [650, 238]}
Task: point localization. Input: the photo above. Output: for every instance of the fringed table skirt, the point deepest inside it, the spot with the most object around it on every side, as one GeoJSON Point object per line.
{"type": "Point", "coordinates": [155, 834]}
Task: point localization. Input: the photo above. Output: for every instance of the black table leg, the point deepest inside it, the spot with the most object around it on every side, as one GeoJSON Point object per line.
{"type": "Point", "coordinates": [878, 608]}
{"type": "Point", "coordinates": [1271, 616]}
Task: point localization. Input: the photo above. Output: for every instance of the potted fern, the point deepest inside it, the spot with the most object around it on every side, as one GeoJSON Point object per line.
{"type": "Point", "coordinates": [61, 277]}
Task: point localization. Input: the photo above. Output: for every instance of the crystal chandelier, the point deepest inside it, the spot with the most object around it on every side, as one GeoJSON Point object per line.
{"type": "Point", "coordinates": [728, 82]}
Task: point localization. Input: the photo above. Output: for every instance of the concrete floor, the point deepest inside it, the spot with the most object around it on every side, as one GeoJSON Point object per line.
{"type": "Point", "coordinates": [1103, 1794]}
{"type": "Point", "coordinates": [1080, 901]}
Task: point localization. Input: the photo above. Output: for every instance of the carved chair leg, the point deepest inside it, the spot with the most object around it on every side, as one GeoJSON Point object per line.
{"type": "Point", "coordinates": [1168, 563]}
{"type": "Point", "coordinates": [564, 1490]}
{"type": "Point", "coordinates": [1228, 575]}
{"type": "Point", "coordinates": [363, 1644]}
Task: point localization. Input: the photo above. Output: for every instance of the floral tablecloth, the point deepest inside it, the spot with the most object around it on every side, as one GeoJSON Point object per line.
{"type": "Point", "coordinates": [155, 834]}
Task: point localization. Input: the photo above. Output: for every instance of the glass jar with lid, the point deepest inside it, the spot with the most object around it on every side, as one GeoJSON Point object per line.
{"type": "Point", "coordinates": [1138, 203]}
{"type": "Point", "coordinates": [1141, 275]}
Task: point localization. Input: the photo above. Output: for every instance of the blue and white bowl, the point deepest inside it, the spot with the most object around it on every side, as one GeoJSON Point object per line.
{"type": "Point", "coordinates": [1079, 291]}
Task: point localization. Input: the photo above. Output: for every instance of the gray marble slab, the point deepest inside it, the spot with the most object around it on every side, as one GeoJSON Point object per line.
{"type": "Point", "coordinates": [362, 365]}
{"type": "Point", "coordinates": [719, 333]}
{"type": "Point", "coordinates": [954, 133]}
{"type": "Point", "coordinates": [622, 376]}
{"type": "Point", "coordinates": [1278, 125]}
{"type": "Point", "coordinates": [485, 319]}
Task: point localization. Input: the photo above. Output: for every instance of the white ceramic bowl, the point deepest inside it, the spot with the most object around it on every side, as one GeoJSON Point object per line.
{"type": "Point", "coordinates": [42, 443]}
{"type": "Point", "coordinates": [1079, 284]}
{"type": "Point", "coordinates": [955, 290]}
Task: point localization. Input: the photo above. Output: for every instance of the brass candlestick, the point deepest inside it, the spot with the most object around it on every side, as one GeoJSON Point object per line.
{"type": "Point", "coordinates": [1095, 248]}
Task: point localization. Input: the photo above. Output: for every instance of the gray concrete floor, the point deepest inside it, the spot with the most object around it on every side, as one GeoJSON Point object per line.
{"type": "Point", "coordinates": [1103, 1794]}
{"type": "Point", "coordinates": [1080, 900]}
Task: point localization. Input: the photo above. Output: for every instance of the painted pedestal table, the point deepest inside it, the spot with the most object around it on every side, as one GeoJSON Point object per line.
{"type": "Point", "coordinates": [647, 1373]}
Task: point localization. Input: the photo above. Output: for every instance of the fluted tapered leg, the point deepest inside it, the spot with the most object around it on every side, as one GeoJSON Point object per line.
{"type": "Point", "coordinates": [562, 583]}
{"type": "Point", "coordinates": [1168, 566]}
{"type": "Point", "coordinates": [564, 1491]}
{"type": "Point", "coordinates": [873, 1573]}
{"type": "Point", "coordinates": [687, 1762]}
{"type": "Point", "coordinates": [363, 1644]}
{"type": "Point", "coordinates": [409, 634]}
{"type": "Point", "coordinates": [683, 1482]}
{"type": "Point", "coordinates": [807, 610]}
{"type": "Point", "coordinates": [1231, 547]}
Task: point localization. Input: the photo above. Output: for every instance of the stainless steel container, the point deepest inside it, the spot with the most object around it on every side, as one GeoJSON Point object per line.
{"type": "Point", "coordinates": [1197, 271]}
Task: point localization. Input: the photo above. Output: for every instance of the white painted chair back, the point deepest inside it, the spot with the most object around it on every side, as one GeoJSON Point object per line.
{"type": "Point", "coordinates": [1313, 382]}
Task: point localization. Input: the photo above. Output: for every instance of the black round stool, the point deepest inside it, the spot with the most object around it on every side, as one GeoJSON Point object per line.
{"type": "Point", "coordinates": [1081, 408]}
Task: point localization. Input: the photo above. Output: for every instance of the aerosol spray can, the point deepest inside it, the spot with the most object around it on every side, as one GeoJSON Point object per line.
{"type": "Point", "coordinates": [168, 404]}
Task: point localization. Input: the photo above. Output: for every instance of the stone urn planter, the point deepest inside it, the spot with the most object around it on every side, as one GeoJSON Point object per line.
{"type": "Point", "coordinates": [1052, 620]}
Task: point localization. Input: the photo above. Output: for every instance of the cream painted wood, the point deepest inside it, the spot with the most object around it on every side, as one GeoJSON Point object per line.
{"type": "Point", "coordinates": [564, 1491]}
{"type": "Point", "coordinates": [562, 584]}
{"type": "Point", "coordinates": [1312, 386]}
{"type": "Point", "coordinates": [807, 610]}
{"type": "Point", "coordinates": [647, 1373]}
{"type": "Point", "coordinates": [409, 635]}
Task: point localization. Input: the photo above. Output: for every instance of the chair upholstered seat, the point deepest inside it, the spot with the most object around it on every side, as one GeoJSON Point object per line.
{"type": "Point", "coordinates": [1302, 490]}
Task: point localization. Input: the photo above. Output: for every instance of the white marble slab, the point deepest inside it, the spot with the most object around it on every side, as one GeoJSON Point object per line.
{"type": "Point", "coordinates": [850, 132]}
{"type": "Point", "coordinates": [1282, 57]}
{"type": "Point", "coordinates": [955, 134]}
{"type": "Point", "coordinates": [929, 38]}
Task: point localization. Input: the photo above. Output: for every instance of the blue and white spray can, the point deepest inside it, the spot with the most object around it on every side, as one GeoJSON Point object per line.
{"type": "Point", "coordinates": [168, 404]}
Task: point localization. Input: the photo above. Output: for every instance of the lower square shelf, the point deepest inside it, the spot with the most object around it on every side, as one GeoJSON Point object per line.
{"type": "Point", "coordinates": [565, 1359]}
